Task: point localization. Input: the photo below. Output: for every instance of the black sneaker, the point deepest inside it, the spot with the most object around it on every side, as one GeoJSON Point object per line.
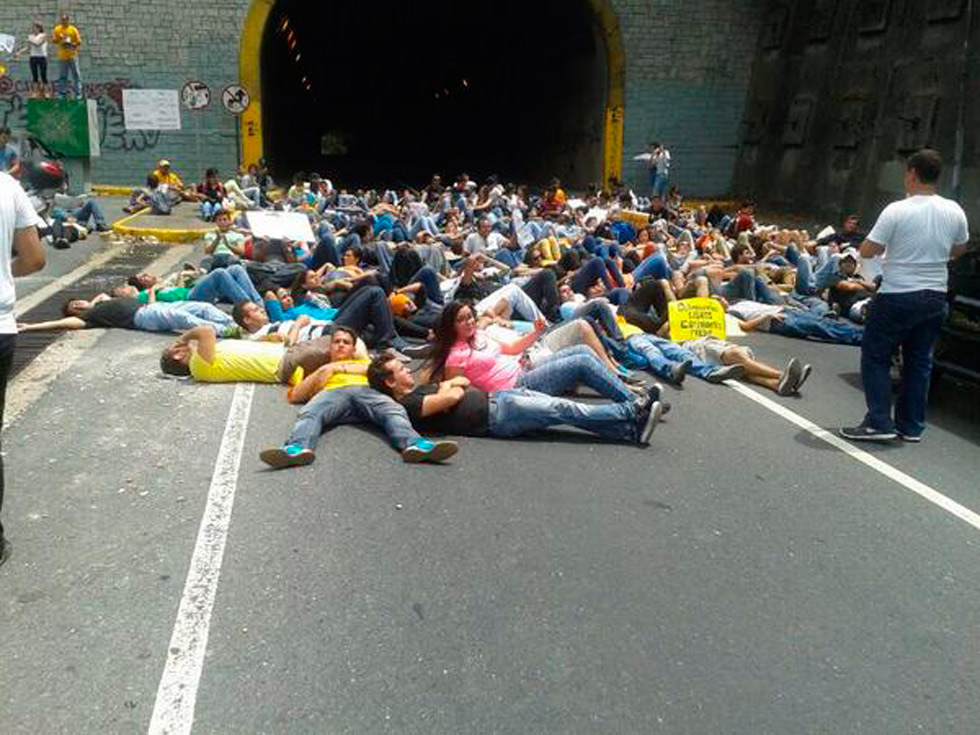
{"type": "Point", "coordinates": [6, 548]}
{"type": "Point", "coordinates": [647, 423]}
{"type": "Point", "coordinates": [790, 378]}
{"type": "Point", "coordinates": [727, 372]}
{"type": "Point", "coordinates": [864, 433]}
{"type": "Point", "coordinates": [679, 371]}
{"type": "Point", "coordinates": [804, 374]}
{"type": "Point", "coordinates": [644, 402]}
{"type": "Point", "coordinates": [909, 438]}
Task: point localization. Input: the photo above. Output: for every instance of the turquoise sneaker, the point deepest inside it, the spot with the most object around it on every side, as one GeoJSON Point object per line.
{"type": "Point", "coordinates": [425, 451]}
{"type": "Point", "coordinates": [291, 455]}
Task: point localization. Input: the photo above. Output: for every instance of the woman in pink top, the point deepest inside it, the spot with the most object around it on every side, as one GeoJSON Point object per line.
{"type": "Point", "coordinates": [460, 348]}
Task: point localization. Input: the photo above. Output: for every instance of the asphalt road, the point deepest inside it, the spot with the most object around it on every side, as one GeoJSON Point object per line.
{"type": "Point", "coordinates": [740, 575]}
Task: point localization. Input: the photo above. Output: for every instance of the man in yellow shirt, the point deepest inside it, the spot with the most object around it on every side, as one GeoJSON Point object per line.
{"type": "Point", "coordinates": [168, 180]}
{"type": "Point", "coordinates": [68, 40]}
{"type": "Point", "coordinates": [340, 395]}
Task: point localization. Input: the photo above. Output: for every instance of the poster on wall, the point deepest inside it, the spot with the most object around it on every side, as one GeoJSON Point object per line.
{"type": "Point", "coordinates": [151, 109]}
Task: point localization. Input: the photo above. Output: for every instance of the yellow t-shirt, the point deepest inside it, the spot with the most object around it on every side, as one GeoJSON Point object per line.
{"type": "Point", "coordinates": [69, 33]}
{"type": "Point", "coordinates": [346, 380]}
{"type": "Point", "coordinates": [239, 361]}
{"type": "Point", "coordinates": [628, 330]}
{"type": "Point", "coordinates": [170, 179]}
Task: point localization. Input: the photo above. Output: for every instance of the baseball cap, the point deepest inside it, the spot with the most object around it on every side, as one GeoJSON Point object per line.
{"type": "Point", "coordinates": [163, 162]}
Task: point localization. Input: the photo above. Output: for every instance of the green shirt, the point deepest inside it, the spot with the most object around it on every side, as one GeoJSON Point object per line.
{"type": "Point", "coordinates": [166, 295]}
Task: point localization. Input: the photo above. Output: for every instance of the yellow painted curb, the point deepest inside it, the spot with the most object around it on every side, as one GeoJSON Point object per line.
{"type": "Point", "coordinates": [108, 190]}
{"type": "Point", "coordinates": [123, 227]}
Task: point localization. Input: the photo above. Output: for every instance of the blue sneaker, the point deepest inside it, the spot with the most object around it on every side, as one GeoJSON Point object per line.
{"type": "Point", "coordinates": [291, 455]}
{"type": "Point", "coordinates": [425, 451]}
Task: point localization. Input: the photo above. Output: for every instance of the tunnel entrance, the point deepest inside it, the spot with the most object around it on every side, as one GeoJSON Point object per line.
{"type": "Point", "coordinates": [387, 93]}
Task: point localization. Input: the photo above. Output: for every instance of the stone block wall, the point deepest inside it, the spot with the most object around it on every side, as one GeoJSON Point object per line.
{"type": "Point", "coordinates": [688, 67]}
{"type": "Point", "coordinates": [687, 74]}
{"type": "Point", "coordinates": [157, 46]}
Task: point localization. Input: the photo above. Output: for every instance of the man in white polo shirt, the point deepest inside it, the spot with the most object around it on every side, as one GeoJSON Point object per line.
{"type": "Point", "coordinates": [918, 236]}
{"type": "Point", "coordinates": [20, 254]}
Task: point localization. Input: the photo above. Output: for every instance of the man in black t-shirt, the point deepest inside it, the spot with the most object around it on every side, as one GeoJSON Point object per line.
{"type": "Point", "coordinates": [127, 313]}
{"type": "Point", "coordinates": [456, 407]}
{"type": "Point", "coordinates": [849, 234]}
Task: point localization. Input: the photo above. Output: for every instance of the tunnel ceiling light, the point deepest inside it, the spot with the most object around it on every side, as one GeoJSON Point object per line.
{"type": "Point", "coordinates": [299, 56]}
{"type": "Point", "coordinates": [284, 25]}
{"type": "Point", "coordinates": [466, 83]}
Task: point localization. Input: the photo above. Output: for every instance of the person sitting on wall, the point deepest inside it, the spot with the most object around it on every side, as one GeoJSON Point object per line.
{"type": "Point", "coordinates": [170, 181]}
{"type": "Point", "coordinates": [213, 195]}
{"type": "Point", "coordinates": [160, 200]}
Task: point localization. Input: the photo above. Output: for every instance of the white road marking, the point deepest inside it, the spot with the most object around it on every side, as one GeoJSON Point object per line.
{"type": "Point", "coordinates": [161, 265]}
{"type": "Point", "coordinates": [173, 712]}
{"type": "Point", "coordinates": [35, 380]}
{"type": "Point", "coordinates": [907, 481]}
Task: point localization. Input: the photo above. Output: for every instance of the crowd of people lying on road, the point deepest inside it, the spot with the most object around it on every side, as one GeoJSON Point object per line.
{"type": "Point", "coordinates": [507, 299]}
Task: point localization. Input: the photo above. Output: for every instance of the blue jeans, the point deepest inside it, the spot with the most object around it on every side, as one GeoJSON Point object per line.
{"type": "Point", "coordinates": [661, 355]}
{"type": "Point", "coordinates": [230, 284]}
{"type": "Point", "coordinates": [803, 325]}
{"type": "Point", "coordinates": [209, 209]}
{"type": "Point", "coordinates": [180, 317]}
{"type": "Point", "coordinates": [808, 282]}
{"type": "Point", "coordinates": [911, 321]}
{"type": "Point", "coordinates": [660, 185]}
{"type": "Point", "coordinates": [69, 68]}
{"type": "Point", "coordinates": [519, 412]}
{"type": "Point", "coordinates": [355, 404]}
{"type": "Point", "coordinates": [328, 250]}
{"type": "Point", "coordinates": [602, 248]}
{"type": "Point", "coordinates": [750, 287]}
{"type": "Point", "coordinates": [88, 211]}
{"type": "Point", "coordinates": [430, 283]}
{"type": "Point", "coordinates": [573, 366]}
{"type": "Point", "coordinates": [602, 312]}
{"type": "Point", "coordinates": [655, 266]}
{"type": "Point", "coordinates": [593, 270]}
{"type": "Point", "coordinates": [510, 258]}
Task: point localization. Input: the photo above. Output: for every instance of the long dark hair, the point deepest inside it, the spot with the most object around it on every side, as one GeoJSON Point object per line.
{"type": "Point", "coordinates": [445, 338]}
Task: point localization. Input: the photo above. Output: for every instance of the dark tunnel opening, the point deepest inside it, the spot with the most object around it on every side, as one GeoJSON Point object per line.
{"type": "Point", "coordinates": [387, 93]}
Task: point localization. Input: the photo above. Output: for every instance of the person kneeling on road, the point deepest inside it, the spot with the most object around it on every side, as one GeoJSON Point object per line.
{"type": "Point", "coordinates": [338, 393]}
{"type": "Point", "coordinates": [455, 407]}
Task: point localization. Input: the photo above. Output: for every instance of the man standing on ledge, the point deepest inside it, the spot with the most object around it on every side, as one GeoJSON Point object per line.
{"type": "Point", "coordinates": [918, 236]}
{"type": "Point", "coordinates": [67, 38]}
{"type": "Point", "coordinates": [20, 255]}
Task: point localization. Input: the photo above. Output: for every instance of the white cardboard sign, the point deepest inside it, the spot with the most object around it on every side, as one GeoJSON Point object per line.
{"type": "Point", "coordinates": [151, 109]}
{"type": "Point", "coordinates": [294, 226]}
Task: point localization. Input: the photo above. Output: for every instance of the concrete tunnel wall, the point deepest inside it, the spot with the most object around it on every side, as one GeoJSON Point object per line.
{"type": "Point", "coordinates": [688, 68]}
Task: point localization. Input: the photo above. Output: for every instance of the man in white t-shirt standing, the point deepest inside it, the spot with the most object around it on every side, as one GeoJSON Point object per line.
{"type": "Point", "coordinates": [20, 254]}
{"type": "Point", "coordinates": [917, 236]}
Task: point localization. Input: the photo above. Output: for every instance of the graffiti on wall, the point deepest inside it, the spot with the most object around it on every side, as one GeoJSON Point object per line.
{"type": "Point", "coordinates": [113, 135]}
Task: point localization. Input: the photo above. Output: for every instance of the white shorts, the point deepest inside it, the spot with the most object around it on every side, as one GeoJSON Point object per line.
{"type": "Point", "coordinates": [710, 349]}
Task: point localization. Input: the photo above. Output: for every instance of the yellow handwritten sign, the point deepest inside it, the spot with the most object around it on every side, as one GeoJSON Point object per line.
{"type": "Point", "coordinates": [693, 318]}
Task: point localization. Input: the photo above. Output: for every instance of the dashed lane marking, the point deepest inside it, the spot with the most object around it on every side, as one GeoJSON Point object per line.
{"type": "Point", "coordinates": [173, 712]}
{"type": "Point", "coordinates": [35, 380]}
